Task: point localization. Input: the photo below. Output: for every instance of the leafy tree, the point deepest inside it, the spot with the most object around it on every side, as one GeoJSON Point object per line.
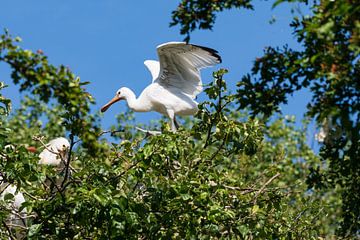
{"type": "Point", "coordinates": [224, 175]}
{"type": "Point", "coordinates": [328, 66]}
{"type": "Point", "coordinates": [193, 14]}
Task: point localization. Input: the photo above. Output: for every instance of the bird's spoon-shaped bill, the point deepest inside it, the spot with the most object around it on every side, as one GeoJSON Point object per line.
{"type": "Point", "coordinates": [111, 102]}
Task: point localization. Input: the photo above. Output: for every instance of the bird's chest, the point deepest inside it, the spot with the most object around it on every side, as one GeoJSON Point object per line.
{"type": "Point", "coordinates": [160, 109]}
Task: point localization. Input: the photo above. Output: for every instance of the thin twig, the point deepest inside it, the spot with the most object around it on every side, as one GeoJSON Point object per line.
{"type": "Point", "coordinates": [9, 230]}
{"type": "Point", "coordinates": [242, 190]}
{"type": "Point", "coordinates": [125, 171]}
{"type": "Point", "coordinates": [217, 115]}
{"type": "Point", "coordinates": [22, 215]}
{"type": "Point", "coordinates": [30, 196]}
{"type": "Point", "coordinates": [68, 160]}
{"type": "Point", "coordinates": [39, 139]}
{"type": "Point", "coordinates": [112, 132]}
{"type": "Point", "coordinates": [17, 226]}
{"type": "Point", "coordinates": [208, 136]}
{"type": "Point", "coordinates": [264, 186]}
{"type": "Point", "coordinates": [4, 186]}
{"type": "Point", "coordinates": [300, 214]}
{"type": "Point", "coordinates": [220, 147]}
{"type": "Point", "coordinates": [57, 188]}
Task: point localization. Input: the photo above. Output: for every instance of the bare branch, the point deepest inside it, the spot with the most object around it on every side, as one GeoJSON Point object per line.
{"type": "Point", "coordinates": [264, 186]}
{"type": "Point", "coordinates": [67, 165]}
{"type": "Point", "coordinates": [149, 132]}
{"type": "Point", "coordinates": [9, 230]}
{"type": "Point", "coordinates": [112, 132]}
{"type": "Point", "coordinates": [12, 225]}
{"type": "Point", "coordinates": [242, 190]}
{"type": "Point", "coordinates": [31, 196]}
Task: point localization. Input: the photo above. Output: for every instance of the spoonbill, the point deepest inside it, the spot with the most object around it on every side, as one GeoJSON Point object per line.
{"type": "Point", "coordinates": [17, 217]}
{"type": "Point", "coordinates": [176, 81]}
{"type": "Point", "coordinates": [16, 221]}
{"type": "Point", "coordinates": [54, 152]}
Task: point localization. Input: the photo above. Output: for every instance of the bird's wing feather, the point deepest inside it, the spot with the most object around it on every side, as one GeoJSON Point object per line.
{"type": "Point", "coordinates": [154, 68]}
{"type": "Point", "coordinates": [180, 65]}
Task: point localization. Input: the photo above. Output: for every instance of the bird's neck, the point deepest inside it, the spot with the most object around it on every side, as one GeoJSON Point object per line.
{"type": "Point", "coordinates": [135, 104]}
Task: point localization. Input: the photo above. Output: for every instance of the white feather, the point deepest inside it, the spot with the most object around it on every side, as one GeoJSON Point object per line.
{"type": "Point", "coordinates": [154, 68]}
{"type": "Point", "coordinates": [180, 65]}
{"type": "Point", "coordinates": [55, 149]}
{"type": "Point", "coordinates": [176, 81]}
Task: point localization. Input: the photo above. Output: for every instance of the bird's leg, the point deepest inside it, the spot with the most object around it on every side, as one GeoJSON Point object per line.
{"type": "Point", "coordinates": [171, 115]}
{"type": "Point", "coordinates": [176, 123]}
{"type": "Point", "coordinates": [173, 126]}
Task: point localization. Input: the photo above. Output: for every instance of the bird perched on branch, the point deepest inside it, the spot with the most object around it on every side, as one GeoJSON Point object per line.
{"type": "Point", "coordinates": [11, 199]}
{"type": "Point", "coordinates": [176, 81]}
{"type": "Point", "coordinates": [55, 152]}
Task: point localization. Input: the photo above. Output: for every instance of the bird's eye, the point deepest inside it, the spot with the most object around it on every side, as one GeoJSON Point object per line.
{"type": "Point", "coordinates": [118, 93]}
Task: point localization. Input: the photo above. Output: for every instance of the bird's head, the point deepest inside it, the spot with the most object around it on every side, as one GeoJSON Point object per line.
{"type": "Point", "coordinates": [120, 95]}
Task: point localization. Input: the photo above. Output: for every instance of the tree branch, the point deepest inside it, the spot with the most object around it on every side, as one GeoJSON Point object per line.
{"type": "Point", "coordinates": [68, 160]}
{"type": "Point", "coordinates": [264, 186]}
{"type": "Point", "coordinates": [148, 132]}
{"type": "Point", "coordinates": [9, 231]}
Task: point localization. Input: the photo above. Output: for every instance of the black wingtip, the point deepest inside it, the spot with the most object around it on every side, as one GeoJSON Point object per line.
{"type": "Point", "coordinates": [212, 51]}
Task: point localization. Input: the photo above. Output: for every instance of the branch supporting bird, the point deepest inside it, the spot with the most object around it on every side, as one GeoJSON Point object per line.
{"type": "Point", "coordinates": [54, 154]}
{"type": "Point", "coordinates": [176, 81]}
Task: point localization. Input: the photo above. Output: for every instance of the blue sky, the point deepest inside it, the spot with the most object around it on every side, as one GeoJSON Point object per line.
{"type": "Point", "coordinates": [105, 42]}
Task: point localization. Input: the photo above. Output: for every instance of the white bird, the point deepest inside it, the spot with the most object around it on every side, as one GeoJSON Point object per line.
{"type": "Point", "coordinates": [321, 135]}
{"type": "Point", "coordinates": [54, 152]}
{"type": "Point", "coordinates": [16, 217]}
{"type": "Point", "coordinates": [176, 81]}
{"type": "Point", "coordinates": [6, 188]}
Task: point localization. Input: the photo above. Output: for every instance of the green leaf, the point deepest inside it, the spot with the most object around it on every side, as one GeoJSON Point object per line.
{"type": "Point", "coordinates": [34, 229]}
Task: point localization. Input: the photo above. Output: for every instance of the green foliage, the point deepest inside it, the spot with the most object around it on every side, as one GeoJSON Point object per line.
{"type": "Point", "coordinates": [5, 102]}
{"type": "Point", "coordinates": [222, 176]}
{"type": "Point", "coordinates": [193, 14]}
{"type": "Point", "coordinates": [328, 66]}
{"type": "Point", "coordinates": [5, 108]}
{"type": "Point", "coordinates": [34, 74]}
{"type": "Point", "coordinates": [278, 76]}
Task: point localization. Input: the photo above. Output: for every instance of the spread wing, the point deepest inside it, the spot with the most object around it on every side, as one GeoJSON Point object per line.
{"type": "Point", "coordinates": [154, 68]}
{"type": "Point", "coordinates": [180, 65]}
